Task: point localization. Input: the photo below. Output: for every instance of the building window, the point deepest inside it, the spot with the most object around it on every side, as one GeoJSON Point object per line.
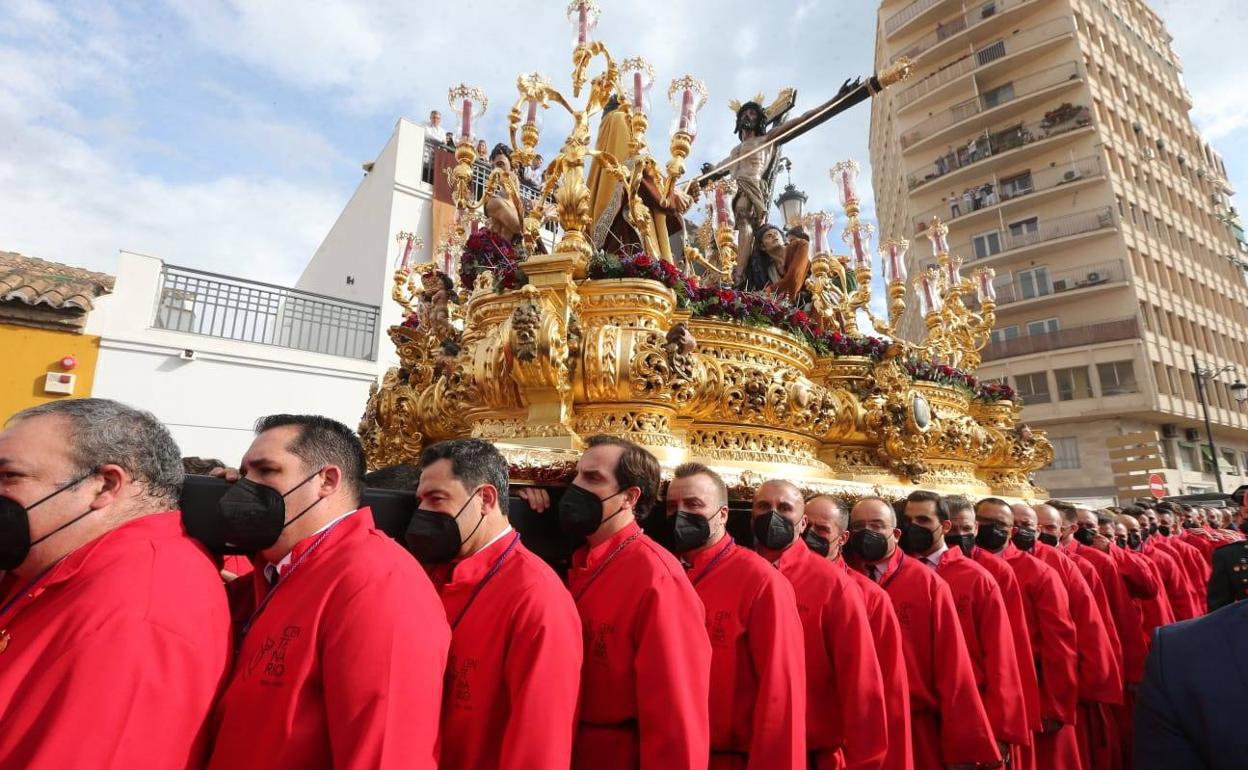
{"type": "Point", "coordinates": [986, 245]}
{"type": "Point", "coordinates": [1073, 383]}
{"type": "Point", "coordinates": [1189, 458]}
{"type": "Point", "coordinates": [1034, 282]}
{"type": "Point", "coordinates": [1034, 388]}
{"type": "Point", "coordinates": [998, 95]}
{"type": "Point", "coordinates": [1017, 185]}
{"type": "Point", "coordinates": [1005, 333]}
{"type": "Point", "coordinates": [1024, 227]}
{"type": "Point", "coordinates": [1230, 463]}
{"type": "Point", "coordinates": [1117, 377]}
{"type": "Point", "coordinates": [1045, 326]}
{"type": "Point", "coordinates": [1065, 453]}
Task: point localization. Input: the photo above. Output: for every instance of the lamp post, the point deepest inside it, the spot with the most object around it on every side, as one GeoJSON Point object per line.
{"type": "Point", "coordinates": [1238, 390]}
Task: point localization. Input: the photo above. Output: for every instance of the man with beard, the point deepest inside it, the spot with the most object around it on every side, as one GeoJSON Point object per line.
{"type": "Point", "coordinates": [505, 207]}
{"type": "Point", "coordinates": [844, 687]}
{"type": "Point", "coordinates": [758, 671]}
{"type": "Point", "coordinates": [1172, 578]}
{"type": "Point", "coordinates": [826, 535]}
{"type": "Point", "coordinates": [1100, 675]}
{"type": "Point", "coordinates": [982, 614]}
{"type": "Point", "coordinates": [777, 266]}
{"type": "Point", "coordinates": [1047, 609]}
{"type": "Point", "coordinates": [948, 723]}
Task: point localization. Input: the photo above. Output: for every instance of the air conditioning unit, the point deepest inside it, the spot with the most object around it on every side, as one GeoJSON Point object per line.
{"type": "Point", "coordinates": [1094, 277]}
{"type": "Point", "coordinates": [1191, 434]}
{"type": "Point", "coordinates": [1169, 430]}
{"type": "Point", "coordinates": [1149, 154]}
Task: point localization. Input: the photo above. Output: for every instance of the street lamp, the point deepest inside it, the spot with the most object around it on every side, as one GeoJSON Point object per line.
{"type": "Point", "coordinates": [791, 200]}
{"type": "Point", "coordinates": [1238, 389]}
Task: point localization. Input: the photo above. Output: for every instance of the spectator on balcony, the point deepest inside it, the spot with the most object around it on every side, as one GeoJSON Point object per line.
{"type": "Point", "coordinates": [955, 208]}
{"type": "Point", "coordinates": [434, 126]}
{"type": "Point", "coordinates": [968, 200]}
{"type": "Point", "coordinates": [450, 139]}
{"type": "Point", "coordinates": [482, 149]}
{"type": "Point", "coordinates": [990, 195]}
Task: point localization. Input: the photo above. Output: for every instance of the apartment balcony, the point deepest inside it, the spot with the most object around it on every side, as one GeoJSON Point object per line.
{"type": "Point", "coordinates": [1013, 51]}
{"type": "Point", "coordinates": [1034, 236]}
{"type": "Point", "coordinates": [993, 106]}
{"type": "Point", "coordinates": [997, 194]}
{"type": "Point", "coordinates": [912, 15]}
{"type": "Point", "coordinates": [950, 34]}
{"type": "Point", "coordinates": [1071, 337]}
{"type": "Point", "coordinates": [196, 302]}
{"type": "Point", "coordinates": [1039, 286]}
{"type": "Point", "coordinates": [997, 148]}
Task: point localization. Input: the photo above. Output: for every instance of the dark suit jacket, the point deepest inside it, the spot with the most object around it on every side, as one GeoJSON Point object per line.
{"type": "Point", "coordinates": [1189, 714]}
{"type": "Point", "coordinates": [1229, 581]}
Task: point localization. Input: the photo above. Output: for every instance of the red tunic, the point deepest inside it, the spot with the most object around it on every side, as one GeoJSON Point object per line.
{"type": "Point", "coordinates": [1188, 561]}
{"type": "Point", "coordinates": [514, 671]}
{"type": "Point", "coordinates": [1013, 596]}
{"type": "Point", "coordinates": [886, 633]}
{"type": "Point", "coordinates": [343, 667]}
{"type": "Point", "coordinates": [948, 722]}
{"type": "Point", "coordinates": [990, 642]}
{"type": "Point", "coordinates": [645, 681]}
{"type": "Point", "coordinates": [1173, 579]}
{"type": "Point", "coordinates": [1144, 587]}
{"type": "Point", "coordinates": [1125, 613]}
{"type": "Point", "coordinates": [113, 659]}
{"type": "Point", "coordinates": [758, 664]}
{"type": "Point", "coordinates": [1047, 608]}
{"type": "Point", "coordinates": [844, 686]}
{"type": "Point", "coordinates": [1203, 543]}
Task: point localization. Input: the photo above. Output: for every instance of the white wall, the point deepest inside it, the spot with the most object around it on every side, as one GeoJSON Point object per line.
{"type": "Point", "coordinates": [211, 402]}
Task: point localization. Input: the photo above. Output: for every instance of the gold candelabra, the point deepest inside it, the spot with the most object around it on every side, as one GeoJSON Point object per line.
{"type": "Point", "coordinates": [955, 333]}
{"type": "Point", "coordinates": [404, 291]}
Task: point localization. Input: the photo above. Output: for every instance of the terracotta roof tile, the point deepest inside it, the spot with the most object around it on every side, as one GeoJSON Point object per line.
{"type": "Point", "coordinates": [60, 287]}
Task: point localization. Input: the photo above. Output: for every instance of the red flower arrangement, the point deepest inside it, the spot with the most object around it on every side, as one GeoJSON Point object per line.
{"type": "Point", "coordinates": [486, 250]}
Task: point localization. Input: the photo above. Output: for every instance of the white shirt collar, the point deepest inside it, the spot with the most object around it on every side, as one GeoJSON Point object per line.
{"type": "Point", "coordinates": [272, 570]}
{"type": "Point", "coordinates": [933, 559]}
{"type": "Point", "coordinates": [506, 530]}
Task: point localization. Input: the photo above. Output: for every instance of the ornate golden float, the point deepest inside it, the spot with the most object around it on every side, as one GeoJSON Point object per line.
{"type": "Point", "coordinates": [540, 353]}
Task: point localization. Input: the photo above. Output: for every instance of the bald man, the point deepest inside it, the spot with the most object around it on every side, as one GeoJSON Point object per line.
{"type": "Point", "coordinates": [1173, 578]}
{"type": "Point", "coordinates": [845, 713]}
{"type": "Point", "coordinates": [1047, 609]}
{"type": "Point", "coordinates": [1189, 557]}
{"type": "Point", "coordinates": [949, 725]}
{"type": "Point", "coordinates": [1100, 675]}
{"type": "Point", "coordinates": [826, 534]}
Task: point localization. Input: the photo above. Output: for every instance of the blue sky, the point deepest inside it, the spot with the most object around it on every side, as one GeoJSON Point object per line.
{"type": "Point", "coordinates": [228, 135]}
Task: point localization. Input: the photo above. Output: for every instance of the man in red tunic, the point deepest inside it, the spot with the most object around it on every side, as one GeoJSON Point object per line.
{"type": "Point", "coordinates": [758, 664]}
{"type": "Point", "coordinates": [948, 722]}
{"type": "Point", "coordinates": [342, 639]}
{"type": "Point", "coordinates": [645, 682]}
{"type": "Point", "coordinates": [114, 629]}
{"type": "Point", "coordinates": [1100, 675]}
{"type": "Point", "coordinates": [1187, 555]}
{"type": "Point", "coordinates": [514, 671]}
{"type": "Point", "coordinates": [1047, 608]}
{"type": "Point", "coordinates": [1170, 575]}
{"type": "Point", "coordinates": [826, 535]}
{"type": "Point", "coordinates": [983, 615]}
{"type": "Point", "coordinates": [844, 686]}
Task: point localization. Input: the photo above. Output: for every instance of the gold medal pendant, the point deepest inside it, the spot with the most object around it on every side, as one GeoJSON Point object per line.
{"type": "Point", "coordinates": [4, 640]}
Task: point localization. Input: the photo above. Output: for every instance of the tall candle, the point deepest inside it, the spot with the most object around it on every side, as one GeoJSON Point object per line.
{"type": "Point", "coordinates": [987, 291]}
{"type": "Point", "coordinates": [686, 110]}
{"type": "Point", "coordinates": [954, 272]}
{"type": "Point", "coordinates": [582, 24]}
{"type": "Point", "coordinates": [940, 242]}
{"type": "Point", "coordinates": [407, 256]}
{"type": "Point", "coordinates": [848, 186]}
{"type": "Point", "coordinates": [861, 257]}
{"type": "Point", "coordinates": [637, 90]}
{"type": "Point", "coordinates": [721, 206]}
{"type": "Point", "coordinates": [466, 128]}
{"type": "Point", "coordinates": [931, 301]}
{"type": "Point", "coordinates": [532, 117]}
{"type": "Point", "coordinates": [446, 260]}
{"type": "Point", "coordinates": [897, 265]}
{"type": "Point", "coordinates": [821, 232]}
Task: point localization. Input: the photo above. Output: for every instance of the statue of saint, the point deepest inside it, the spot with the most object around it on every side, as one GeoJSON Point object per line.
{"type": "Point", "coordinates": [505, 208]}
{"type": "Point", "coordinates": [776, 266]}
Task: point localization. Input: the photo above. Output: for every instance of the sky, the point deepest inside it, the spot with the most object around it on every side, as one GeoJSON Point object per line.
{"type": "Point", "coordinates": [227, 135]}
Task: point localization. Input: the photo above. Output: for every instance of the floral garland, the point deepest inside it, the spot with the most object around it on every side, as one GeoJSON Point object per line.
{"type": "Point", "coordinates": [942, 374]}
{"type": "Point", "coordinates": [487, 250]}
{"type": "Point", "coordinates": [639, 265]}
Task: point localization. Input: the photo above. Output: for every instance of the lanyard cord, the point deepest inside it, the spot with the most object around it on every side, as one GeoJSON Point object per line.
{"type": "Point", "coordinates": [281, 581]}
{"type": "Point", "coordinates": [713, 562]}
{"type": "Point", "coordinates": [604, 564]}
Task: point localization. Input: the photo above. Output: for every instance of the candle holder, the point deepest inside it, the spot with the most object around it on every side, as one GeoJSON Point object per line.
{"type": "Point", "coordinates": [955, 333]}
{"type": "Point", "coordinates": [845, 177]}
{"type": "Point", "coordinates": [635, 80]}
{"type": "Point", "coordinates": [404, 291]}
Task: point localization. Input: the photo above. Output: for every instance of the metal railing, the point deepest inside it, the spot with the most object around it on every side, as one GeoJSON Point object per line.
{"type": "Point", "coordinates": [1041, 231]}
{"type": "Point", "coordinates": [991, 143]}
{"type": "Point", "coordinates": [1048, 284]}
{"type": "Point", "coordinates": [907, 14]}
{"type": "Point", "coordinates": [197, 302]}
{"type": "Point", "coordinates": [1050, 30]}
{"type": "Point", "coordinates": [480, 174]}
{"type": "Point", "coordinates": [1072, 337]}
{"type": "Point", "coordinates": [1021, 89]}
{"type": "Point", "coordinates": [1018, 185]}
{"type": "Point", "coordinates": [958, 24]}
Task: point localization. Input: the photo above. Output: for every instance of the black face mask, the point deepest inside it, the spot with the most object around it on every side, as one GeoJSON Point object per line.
{"type": "Point", "coordinates": [771, 530]}
{"type": "Point", "coordinates": [433, 537]}
{"type": "Point", "coordinates": [1084, 536]}
{"type": "Point", "coordinates": [1163, 530]}
{"type": "Point", "coordinates": [992, 537]}
{"type": "Point", "coordinates": [1189, 525]}
{"type": "Point", "coordinates": [15, 542]}
{"type": "Point", "coordinates": [580, 511]}
{"type": "Point", "coordinates": [916, 540]}
{"type": "Point", "coordinates": [1121, 542]}
{"type": "Point", "coordinates": [1134, 542]}
{"type": "Point", "coordinates": [1153, 529]}
{"type": "Point", "coordinates": [817, 542]}
{"type": "Point", "coordinates": [689, 531]}
{"type": "Point", "coordinates": [1025, 538]}
{"type": "Point", "coordinates": [965, 542]}
{"type": "Point", "coordinates": [870, 545]}
{"type": "Point", "coordinates": [1047, 539]}
{"type": "Point", "coordinates": [254, 515]}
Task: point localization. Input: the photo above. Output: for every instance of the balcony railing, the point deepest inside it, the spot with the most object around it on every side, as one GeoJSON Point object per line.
{"type": "Point", "coordinates": [958, 24]}
{"type": "Point", "coordinates": [1050, 30]}
{"type": "Point", "coordinates": [1017, 185]}
{"type": "Point", "coordinates": [990, 100]}
{"type": "Point", "coordinates": [1064, 119]}
{"type": "Point", "coordinates": [907, 14]}
{"type": "Point", "coordinates": [1041, 284]}
{"type": "Point", "coordinates": [195, 302]}
{"type": "Point", "coordinates": [1071, 337]}
{"type": "Point", "coordinates": [1031, 232]}
{"type": "Point", "coordinates": [480, 174]}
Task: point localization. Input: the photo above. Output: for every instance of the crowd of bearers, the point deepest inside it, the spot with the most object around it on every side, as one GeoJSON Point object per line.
{"type": "Point", "coordinates": [917, 634]}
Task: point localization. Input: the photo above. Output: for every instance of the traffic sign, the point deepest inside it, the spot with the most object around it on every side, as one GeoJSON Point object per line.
{"type": "Point", "coordinates": [1157, 485]}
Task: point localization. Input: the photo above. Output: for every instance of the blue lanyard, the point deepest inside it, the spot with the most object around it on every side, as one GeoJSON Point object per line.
{"type": "Point", "coordinates": [242, 634]}
{"type": "Point", "coordinates": [494, 568]}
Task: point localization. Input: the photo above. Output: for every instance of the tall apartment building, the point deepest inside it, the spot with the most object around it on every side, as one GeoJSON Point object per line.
{"type": "Point", "coordinates": [1054, 138]}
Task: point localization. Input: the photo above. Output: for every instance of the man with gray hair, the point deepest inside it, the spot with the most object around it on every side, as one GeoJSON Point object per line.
{"type": "Point", "coordinates": [114, 629]}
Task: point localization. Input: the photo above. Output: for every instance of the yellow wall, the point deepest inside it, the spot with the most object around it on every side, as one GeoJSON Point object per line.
{"type": "Point", "coordinates": [28, 354]}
